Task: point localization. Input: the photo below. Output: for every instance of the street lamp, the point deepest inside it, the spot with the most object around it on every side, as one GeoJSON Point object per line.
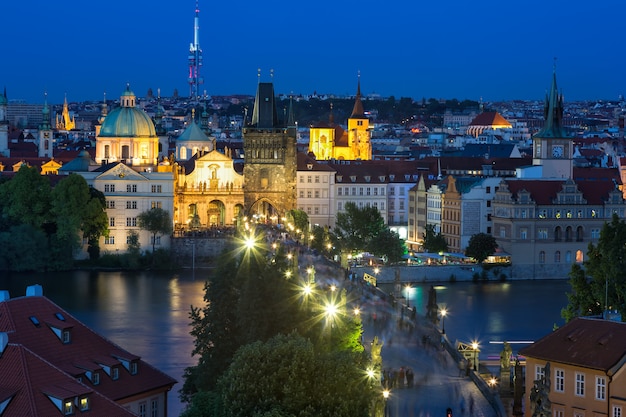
{"type": "Point", "coordinates": [443, 320]}
{"type": "Point", "coordinates": [386, 397]}
{"type": "Point", "coordinates": [475, 349]}
{"type": "Point", "coordinates": [408, 289]}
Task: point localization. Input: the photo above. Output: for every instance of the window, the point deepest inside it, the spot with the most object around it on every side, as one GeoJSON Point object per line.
{"type": "Point", "coordinates": [156, 189]}
{"type": "Point", "coordinates": [316, 210]}
{"type": "Point", "coordinates": [542, 233]}
{"type": "Point", "coordinates": [308, 179]}
{"type": "Point", "coordinates": [109, 188]}
{"type": "Point", "coordinates": [338, 191]}
{"type": "Point", "coordinates": [302, 193]}
{"type": "Point", "coordinates": [488, 203]}
{"type": "Point", "coordinates": [580, 384]}
{"type": "Point", "coordinates": [68, 407]}
{"type": "Point", "coordinates": [143, 409]}
{"type": "Point", "coordinates": [131, 221]}
{"type": "Point", "coordinates": [600, 388]}
{"type": "Point", "coordinates": [133, 368]}
{"type": "Point", "coordinates": [559, 413]}
{"type": "Point", "coordinates": [131, 188]}
{"type": "Point", "coordinates": [540, 372]}
{"type": "Point", "coordinates": [154, 408]}
{"type": "Point", "coordinates": [67, 336]}
{"type": "Point", "coordinates": [131, 205]}
{"type": "Point", "coordinates": [595, 233]}
{"type": "Point", "coordinates": [115, 373]}
{"type": "Point", "coordinates": [109, 240]}
{"type": "Point", "coordinates": [111, 221]}
{"type": "Point", "coordinates": [488, 190]}
{"type": "Point", "coordinates": [360, 190]}
{"type": "Point", "coordinates": [110, 204]}
{"type": "Point", "coordinates": [502, 232]}
{"type": "Point", "coordinates": [401, 204]}
{"type": "Point", "coordinates": [382, 205]}
{"type": "Point", "coordinates": [309, 194]}
{"type": "Point", "coordinates": [617, 411]}
{"type": "Point", "coordinates": [375, 191]}
{"type": "Point", "coordinates": [156, 204]}
{"type": "Point", "coordinates": [96, 378]}
{"type": "Point", "coordinates": [542, 257]}
{"type": "Point", "coordinates": [317, 179]}
{"type": "Point", "coordinates": [302, 179]}
{"type": "Point", "coordinates": [523, 233]}
{"type": "Point", "coordinates": [84, 404]}
{"type": "Point", "coordinates": [317, 194]}
{"type": "Point", "coordinates": [339, 206]}
{"type": "Point", "coordinates": [155, 240]}
{"type": "Point", "coordinates": [559, 380]}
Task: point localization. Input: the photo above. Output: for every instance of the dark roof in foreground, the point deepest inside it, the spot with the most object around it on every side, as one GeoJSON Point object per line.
{"type": "Point", "coordinates": [584, 342]}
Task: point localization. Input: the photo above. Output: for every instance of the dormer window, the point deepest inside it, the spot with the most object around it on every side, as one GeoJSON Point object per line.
{"type": "Point", "coordinates": [115, 373]}
{"type": "Point", "coordinates": [68, 407]}
{"type": "Point", "coordinates": [353, 178]}
{"type": "Point", "coordinates": [84, 403]}
{"type": "Point", "coordinates": [382, 178]}
{"type": "Point", "coordinates": [391, 177]}
{"type": "Point", "coordinates": [407, 177]}
{"type": "Point", "coordinates": [133, 368]}
{"type": "Point", "coordinates": [67, 336]}
{"type": "Point", "coordinates": [59, 316]}
{"type": "Point", "coordinates": [34, 320]}
{"type": "Point", "coordinates": [339, 178]}
{"type": "Point", "coordinates": [95, 379]}
{"type": "Point", "coordinates": [368, 178]}
{"type": "Point", "coordinates": [309, 166]}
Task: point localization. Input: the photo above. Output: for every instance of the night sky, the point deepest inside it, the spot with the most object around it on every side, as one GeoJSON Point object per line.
{"type": "Point", "coordinates": [497, 50]}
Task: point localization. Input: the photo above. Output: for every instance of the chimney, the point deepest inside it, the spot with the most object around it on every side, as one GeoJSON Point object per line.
{"type": "Point", "coordinates": [34, 290]}
{"type": "Point", "coordinates": [4, 296]}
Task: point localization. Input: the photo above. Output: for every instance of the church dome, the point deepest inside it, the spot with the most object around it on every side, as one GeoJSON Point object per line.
{"type": "Point", "coordinates": [127, 120]}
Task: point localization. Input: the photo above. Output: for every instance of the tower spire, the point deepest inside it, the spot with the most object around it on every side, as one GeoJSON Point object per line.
{"type": "Point", "coordinates": [195, 58]}
{"type": "Point", "coordinates": [357, 111]}
{"type": "Point", "coordinates": [553, 112]}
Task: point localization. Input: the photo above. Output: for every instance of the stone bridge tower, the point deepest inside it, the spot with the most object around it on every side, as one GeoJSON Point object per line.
{"type": "Point", "coordinates": [270, 159]}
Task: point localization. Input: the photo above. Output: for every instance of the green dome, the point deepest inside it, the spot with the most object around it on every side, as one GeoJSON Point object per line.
{"type": "Point", "coordinates": [127, 122]}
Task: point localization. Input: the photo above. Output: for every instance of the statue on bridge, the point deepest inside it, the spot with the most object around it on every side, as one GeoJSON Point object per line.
{"type": "Point", "coordinates": [539, 402]}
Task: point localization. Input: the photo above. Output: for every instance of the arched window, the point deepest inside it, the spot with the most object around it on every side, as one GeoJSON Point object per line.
{"type": "Point", "coordinates": [579, 234]}
{"type": "Point", "coordinates": [568, 234]}
{"type": "Point", "coordinates": [557, 234]}
{"type": "Point", "coordinates": [568, 257]}
{"type": "Point", "coordinates": [542, 257]}
{"type": "Point", "coordinates": [579, 256]}
{"type": "Point", "coordinates": [557, 257]}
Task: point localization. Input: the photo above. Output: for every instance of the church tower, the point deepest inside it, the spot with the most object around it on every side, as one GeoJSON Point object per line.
{"type": "Point", "coordinates": [45, 132]}
{"type": "Point", "coordinates": [270, 160]}
{"type": "Point", "coordinates": [4, 124]}
{"type": "Point", "coordinates": [64, 121]}
{"type": "Point", "coordinates": [552, 147]}
{"type": "Point", "coordinates": [359, 133]}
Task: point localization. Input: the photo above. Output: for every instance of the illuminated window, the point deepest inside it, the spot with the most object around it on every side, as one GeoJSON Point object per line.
{"type": "Point", "coordinates": [84, 404]}
{"type": "Point", "coordinates": [68, 407]}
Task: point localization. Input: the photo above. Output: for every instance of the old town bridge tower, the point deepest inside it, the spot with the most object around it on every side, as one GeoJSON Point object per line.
{"type": "Point", "coordinates": [270, 159]}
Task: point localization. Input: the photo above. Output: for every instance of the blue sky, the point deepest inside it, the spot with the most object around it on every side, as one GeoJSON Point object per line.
{"type": "Point", "coordinates": [407, 48]}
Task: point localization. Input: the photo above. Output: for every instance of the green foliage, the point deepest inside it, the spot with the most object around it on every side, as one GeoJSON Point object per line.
{"type": "Point", "coordinates": [25, 199]}
{"type": "Point", "coordinates": [156, 221]}
{"type": "Point", "coordinates": [363, 229]}
{"type": "Point", "coordinates": [434, 242]}
{"type": "Point", "coordinates": [24, 248]}
{"type": "Point", "coordinates": [481, 246]}
{"type": "Point", "coordinates": [300, 222]}
{"type": "Point", "coordinates": [286, 375]}
{"type": "Point", "coordinates": [602, 279]}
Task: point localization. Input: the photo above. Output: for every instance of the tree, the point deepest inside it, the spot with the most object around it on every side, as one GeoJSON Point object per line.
{"type": "Point", "coordinates": [601, 282]}
{"type": "Point", "coordinates": [156, 221]}
{"type": "Point", "coordinates": [25, 199]}
{"type": "Point", "coordinates": [434, 242]}
{"type": "Point", "coordinates": [481, 246]}
{"type": "Point", "coordinates": [300, 223]}
{"type": "Point", "coordinates": [363, 229]}
{"type": "Point", "coordinates": [285, 376]}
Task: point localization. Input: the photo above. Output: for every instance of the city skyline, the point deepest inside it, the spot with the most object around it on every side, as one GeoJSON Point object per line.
{"type": "Point", "coordinates": [492, 50]}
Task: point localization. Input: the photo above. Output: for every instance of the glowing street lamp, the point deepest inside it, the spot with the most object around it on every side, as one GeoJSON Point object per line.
{"type": "Point", "coordinates": [443, 320]}
{"type": "Point", "coordinates": [386, 397]}
{"type": "Point", "coordinates": [475, 349]}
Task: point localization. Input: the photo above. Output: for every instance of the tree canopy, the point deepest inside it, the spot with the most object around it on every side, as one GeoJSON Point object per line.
{"type": "Point", "coordinates": [363, 229]}
{"type": "Point", "coordinates": [434, 242]}
{"type": "Point", "coordinates": [156, 221]}
{"type": "Point", "coordinates": [601, 281]}
{"type": "Point", "coordinates": [481, 246]}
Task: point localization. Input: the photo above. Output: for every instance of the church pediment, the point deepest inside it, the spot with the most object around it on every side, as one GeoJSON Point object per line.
{"type": "Point", "coordinates": [121, 172]}
{"type": "Point", "coordinates": [214, 156]}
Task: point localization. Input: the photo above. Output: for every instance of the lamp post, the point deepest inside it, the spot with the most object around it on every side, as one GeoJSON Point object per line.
{"type": "Point", "coordinates": [475, 349]}
{"type": "Point", "coordinates": [408, 290]}
{"type": "Point", "coordinates": [443, 320]}
{"type": "Point", "coordinates": [385, 398]}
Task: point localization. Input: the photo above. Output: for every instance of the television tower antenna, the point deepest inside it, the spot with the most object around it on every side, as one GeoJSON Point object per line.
{"type": "Point", "coordinates": [195, 58]}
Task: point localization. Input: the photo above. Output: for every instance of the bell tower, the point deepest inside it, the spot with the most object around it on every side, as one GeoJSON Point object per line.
{"type": "Point", "coordinates": [45, 132]}
{"type": "Point", "coordinates": [359, 133]}
{"type": "Point", "coordinates": [552, 146]}
{"type": "Point", "coordinates": [269, 159]}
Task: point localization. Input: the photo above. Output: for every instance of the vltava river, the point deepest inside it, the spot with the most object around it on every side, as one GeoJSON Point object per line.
{"type": "Point", "coordinates": [148, 313]}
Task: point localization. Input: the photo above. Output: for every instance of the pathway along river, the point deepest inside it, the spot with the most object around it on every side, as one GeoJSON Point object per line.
{"type": "Point", "coordinates": [148, 313]}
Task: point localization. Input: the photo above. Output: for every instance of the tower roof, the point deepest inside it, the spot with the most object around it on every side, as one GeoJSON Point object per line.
{"type": "Point", "coordinates": [264, 114]}
{"type": "Point", "coordinates": [193, 133]}
{"type": "Point", "coordinates": [553, 113]}
{"type": "Point", "coordinates": [3, 97]}
{"type": "Point", "coordinates": [357, 111]}
{"type": "Point", "coordinates": [127, 120]}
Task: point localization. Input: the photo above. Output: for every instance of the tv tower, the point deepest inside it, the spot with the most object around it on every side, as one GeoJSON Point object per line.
{"type": "Point", "coordinates": [195, 58]}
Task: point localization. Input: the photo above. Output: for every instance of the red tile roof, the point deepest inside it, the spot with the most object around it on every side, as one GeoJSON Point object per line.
{"type": "Point", "coordinates": [85, 351]}
{"type": "Point", "coordinates": [585, 342]}
{"type": "Point", "coordinates": [29, 381]}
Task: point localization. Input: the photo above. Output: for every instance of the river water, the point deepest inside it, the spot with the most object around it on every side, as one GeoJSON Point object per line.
{"type": "Point", "coordinates": [147, 313]}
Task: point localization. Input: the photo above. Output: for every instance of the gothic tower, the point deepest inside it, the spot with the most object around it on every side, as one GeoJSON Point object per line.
{"type": "Point", "coordinates": [270, 160]}
{"type": "Point", "coordinates": [45, 132]}
{"type": "Point", "coordinates": [552, 146]}
{"type": "Point", "coordinates": [64, 121]}
{"type": "Point", "coordinates": [359, 134]}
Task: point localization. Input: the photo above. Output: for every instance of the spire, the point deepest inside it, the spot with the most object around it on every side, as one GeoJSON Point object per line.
{"type": "Point", "coordinates": [357, 111]}
{"type": "Point", "coordinates": [553, 112]}
{"type": "Point", "coordinates": [264, 114]}
{"type": "Point", "coordinates": [45, 124]}
{"type": "Point", "coordinates": [291, 120]}
{"type": "Point", "coordinates": [331, 116]}
{"type": "Point", "coordinates": [104, 110]}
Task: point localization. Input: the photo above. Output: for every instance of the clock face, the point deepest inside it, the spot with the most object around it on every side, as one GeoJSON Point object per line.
{"type": "Point", "coordinates": [557, 151]}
